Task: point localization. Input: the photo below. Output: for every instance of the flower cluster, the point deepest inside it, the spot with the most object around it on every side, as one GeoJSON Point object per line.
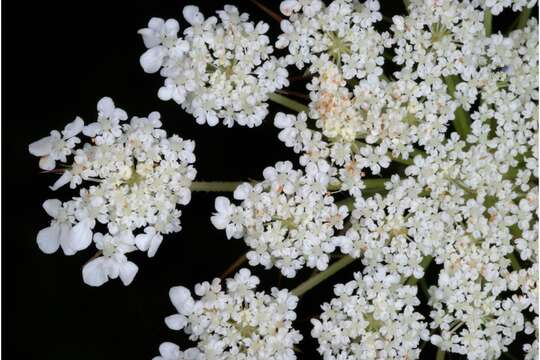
{"type": "Point", "coordinates": [288, 220]}
{"type": "Point", "coordinates": [342, 31]}
{"type": "Point", "coordinates": [418, 155]}
{"type": "Point", "coordinates": [136, 177]}
{"type": "Point", "coordinates": [220, 69]}
{"type": "Point", "coordinates": [233, 322]}
{"type": "Point", "coordinates": [371, 317]}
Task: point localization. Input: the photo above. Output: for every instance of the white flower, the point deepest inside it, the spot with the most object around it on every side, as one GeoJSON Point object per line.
{"type": "Point", "coordinates": [234, 321]}
{"type": "Point", "coordinates": [288, 220]}
{"type": "Point", "coordinates": [136, 177]}
{"type": "Point", "coordinates": [220, 69]}
{"type": "Point", "coordinates": [57, 146]}
{"type": "Point", "coordinates": [170, 351]}
{"type": "Point", "coordinates": [371, 317]}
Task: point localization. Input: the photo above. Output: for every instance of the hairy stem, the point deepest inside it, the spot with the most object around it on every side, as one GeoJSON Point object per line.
{"type": "Point", "coordinates": [320, 277]}
{"type": "Point", "coordinates": [288, 103]}
{"type": "Point", "coordinates": [273, 14]}
{"type": "Point", "coordinates": [215, 186]}
{"type": "Point", "coordinates": [235, 265]}
{"type": "Point", "coordinates": [440, 355]}
{"type": "Point", "coordinates": [461, 118]}
{"type": "Point", "coordinates": [523, 18]}
{"type": "Point", "coordinates": [488, 22]}
{"type": "Point", "coordinates": [515, 262]}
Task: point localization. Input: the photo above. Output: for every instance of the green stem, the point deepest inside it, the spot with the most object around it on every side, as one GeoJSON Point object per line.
{"type": "Point", "coordinates": [320, 277]}
{"type": "Point", "coordinates": [407, 3]}
{"type": "Point", "coordinates": [215, 186]}
{"type": "Point", "coordinates": [461, 118]}
{"type": "Point", "coordinates": [288, 103]}
{"type": "Point", "coordinates": [369, 184]}
{"type": "Point", "coordinates": [507, 355]}
{"type": "Point", "coordinates": [488, 22]}
{"type": "Point", "coordinates": [515, 262]}
{"type": "Point", "coordinates": [523, 18]}
{"type": "Point", "coordinates": [440, 355]}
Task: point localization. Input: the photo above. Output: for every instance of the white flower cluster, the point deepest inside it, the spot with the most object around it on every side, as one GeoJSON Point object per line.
{"type": "Point", "coordinates": [418, 154]}
{"type": "Point", "coordinates": [497, 6]}
{"type": "Point", "coordinates": [471, 203]}
{"type": "Point", "coordinates": [288, 220]}
{"type": "Point", "coordinates": [233, 322]}
{"type": "Point", "coordinates": [371, 317]}
{"type": "Point", "coordinates": [220, 69]}
{"type": "Point", "coordinates": [342, 31]}
{"type": "Point", "coordinates": [136, 175]}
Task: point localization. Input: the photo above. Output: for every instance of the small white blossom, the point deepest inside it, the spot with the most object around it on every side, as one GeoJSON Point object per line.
{"type": "Point", "coordinates": [136, 177]}
{"type": "Point", "coordinates": [233, 321]}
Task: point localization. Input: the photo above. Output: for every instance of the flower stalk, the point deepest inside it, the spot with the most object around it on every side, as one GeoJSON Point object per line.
{"type": "Point", "coordinates": [288, 103]}
{"type": "Point", "coordinates": [461, 117]}
{"type": "Point", "coordinates": [488, 22]}
{"type": "Point", "coordinates": [523, 18]}
{"type": "Point", "coordinates": [215, 186]}
{"type": "Point", "coordinates": [320, 277]}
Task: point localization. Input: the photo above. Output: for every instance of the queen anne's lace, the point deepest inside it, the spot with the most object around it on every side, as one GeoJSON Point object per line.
{"type": "Point", "coordinates": [233, 321]}
{"type": "Point", "coordinates": [136, 177]}
{"type": "Point", "coordinates": [288, 220]}
{"type": "Point", "coordinates": [371, 317]}
{"type": "Point", "coordinates": [220, 69]}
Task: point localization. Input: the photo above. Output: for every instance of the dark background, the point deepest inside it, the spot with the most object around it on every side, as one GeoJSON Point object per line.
{"type": "Point", "coordinates": [60, 59]}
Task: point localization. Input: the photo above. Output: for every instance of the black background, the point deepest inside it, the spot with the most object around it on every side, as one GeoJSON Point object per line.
{"type": "Point", "coordinates": [59, 59]}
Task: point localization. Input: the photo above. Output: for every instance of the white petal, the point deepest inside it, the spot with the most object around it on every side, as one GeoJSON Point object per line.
{"type": "Point", "coordinates": [171, 27]}
{"type": "Point", "coordinates": [41, 147]}
{"type": "Point", "coordinates": [193, 15]}
{"type": "Point", "coordinates": [73, 128]}
{"type": "Point", "coordinates": [154, 245]}
{"type": "Point", "coordinates": [219, 221]}
{"type": "Point", "coordinates": [65, 239]}
{"type": "Point", "coordinates": [128, 272]}
{"type": "Point", "coordinates": [143, 241]}
{"type": "Point", "coordinates": [52, 207]}
{"type": "Point", "coordinates": [176, 322]}
{"type": "Point", "coordinates": [94, 272]}
{"type": "Point", "coordinates": [152, 59]}
{"type": "Point", "coordinates": [222, 204]}
{"type": "Point", "coordinates": [181, 299]}
{"type": "Point", "coordinates": [91, 130]}
{"type": "Point", "coordinates": [47, 163]}
{"type": "Point", "coordinates": [48, 239]}
{"type": "Point", "coordinates": [81, 235]}
{"type": "Point", "coordinates": [169, 350]}
{"type": "Point", "coordinates": [106, 106]}
{"type": "Point", "coordinates": [62, 180]}
{"type": "Point", "coordinates": [242, 191]}
{"type": "Point", "coordinates": [165, 93]}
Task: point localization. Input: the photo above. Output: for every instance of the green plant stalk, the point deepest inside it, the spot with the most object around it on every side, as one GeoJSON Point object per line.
{"type": "Point", "coordinates": [288, 103]}
{"type": "Point", "coordinates": [462, 123]}
{"type": "Point", "coordinates": [370, 184]}
{"type": "Point", "coordinates": [523, 18]}
{"type": "Point", "coordinates": [215, 186]}
{"type": "Point", "coordinates": [440, 355]}
{"type": "Point", "coordinates": [320, 277]}
{"type": "Point", "coordinates": [515, 262]}
{"type": "Point", "coordinates": [407, 3]}
{"type": "Point", "coordinates": [488, 22]}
